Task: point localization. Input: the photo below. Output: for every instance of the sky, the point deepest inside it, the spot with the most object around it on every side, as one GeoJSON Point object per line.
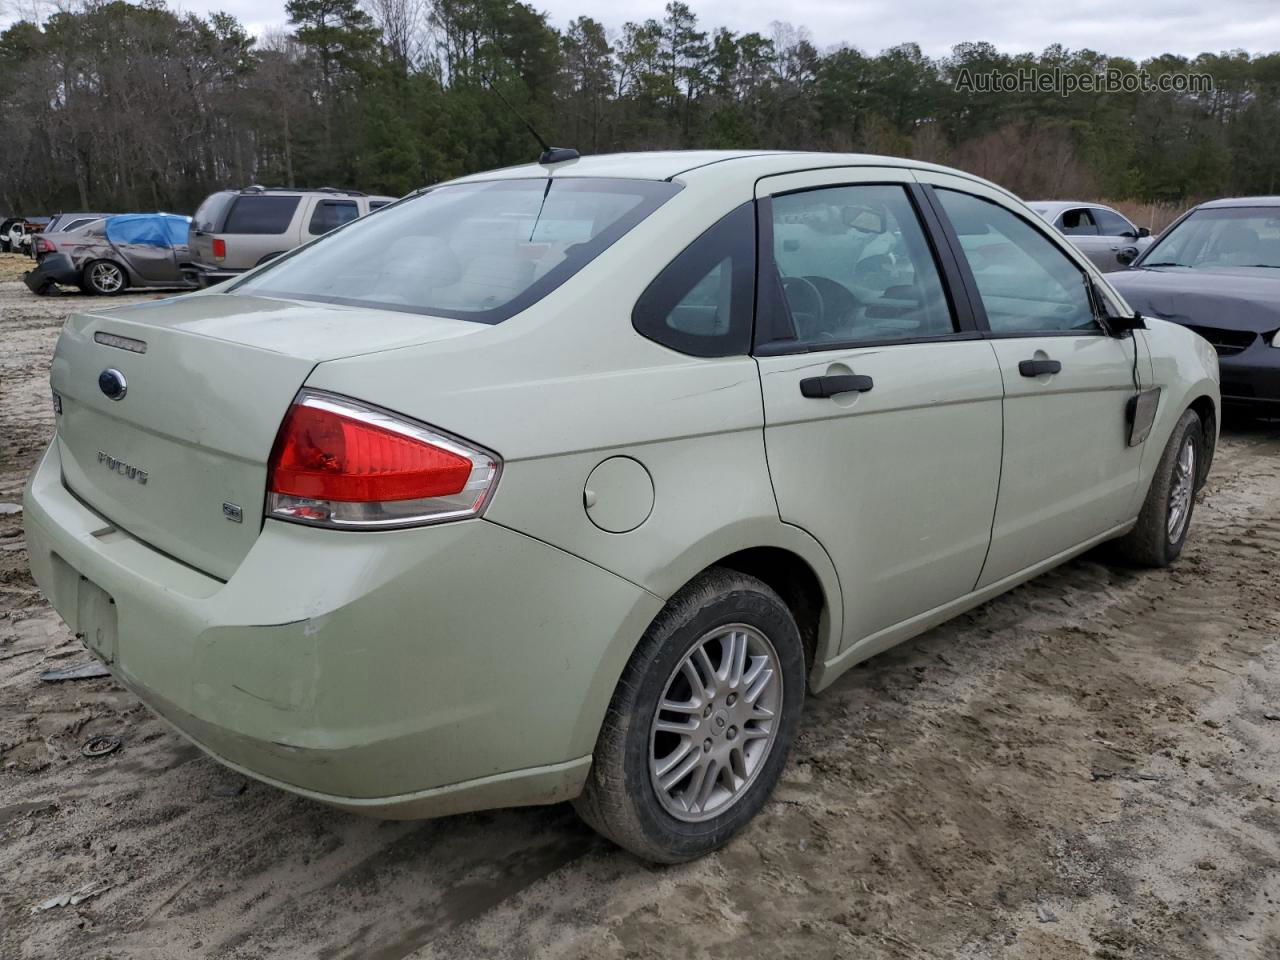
{"type": "Point", "coordinates": [1129, 28]}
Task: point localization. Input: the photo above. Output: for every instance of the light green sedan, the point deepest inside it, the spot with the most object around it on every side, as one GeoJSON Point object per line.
{"type": "Point", "coordinates": [569, 482]}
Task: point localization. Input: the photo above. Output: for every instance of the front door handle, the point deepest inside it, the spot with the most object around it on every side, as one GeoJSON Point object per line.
{"type": "Point", "coordinates": [1038, 368]}
{"type": "Point", "coordinates": [819, 387]}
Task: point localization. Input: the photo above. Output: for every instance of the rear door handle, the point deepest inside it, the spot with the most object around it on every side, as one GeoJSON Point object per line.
{"type": "Point", "coordinates": [819, 387]}
{"type": "Point", "coordinates": [1038, 368]}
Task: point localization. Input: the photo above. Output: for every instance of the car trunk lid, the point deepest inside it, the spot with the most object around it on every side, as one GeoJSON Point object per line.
{"type": "Point", "coordinates": [179, 460]}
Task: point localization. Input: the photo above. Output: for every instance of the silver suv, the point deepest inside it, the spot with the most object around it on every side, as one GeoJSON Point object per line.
{"type": "Point", "coordinates": [235, 230]}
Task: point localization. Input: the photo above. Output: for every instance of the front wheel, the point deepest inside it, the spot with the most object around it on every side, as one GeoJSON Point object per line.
{"type": "Point", "coordinates": [104, 278]}
{"type": "Point", "coordinates": [1162, 527]}
{"type": "Point", "coordinates": [699, 727]}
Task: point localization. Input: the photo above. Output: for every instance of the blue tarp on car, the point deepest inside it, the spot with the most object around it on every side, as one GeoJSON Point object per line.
{"type": "Point", "coordinates": [153, 229]}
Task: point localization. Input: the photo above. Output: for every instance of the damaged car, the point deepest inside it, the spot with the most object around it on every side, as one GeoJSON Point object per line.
{"type": "Point", "coordinates": [107, 257]}
{"type": "Point", "coordinates": [1217, 272]}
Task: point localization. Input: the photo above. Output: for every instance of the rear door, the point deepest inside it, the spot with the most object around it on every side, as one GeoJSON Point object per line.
{"type": "Point", "coordinates": [1068, 473]}
{"type": "Point", "coordinates": [882, 402]}
{"type": "Point", "coordinates": [206, 222]}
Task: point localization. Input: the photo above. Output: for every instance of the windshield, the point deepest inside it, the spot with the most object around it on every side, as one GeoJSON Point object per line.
{"type": "Point", "coordinates": [1220, 237]}
{"type": "Point", "coordinates": [474, 251]}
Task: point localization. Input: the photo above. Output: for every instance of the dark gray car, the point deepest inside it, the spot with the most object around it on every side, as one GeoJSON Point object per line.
{"type": "Point", "coordinates": [108, 256]}
{"type": "Point", "coordinates": [1217, 271]}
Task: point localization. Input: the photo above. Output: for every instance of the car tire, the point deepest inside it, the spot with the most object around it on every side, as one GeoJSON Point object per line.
{"type": "Point", "coordinates": [754, 664]}
{"type": "Point", "coordinates": [97, 277]}
{"type": "Point", "coordinates": [1165, 519]}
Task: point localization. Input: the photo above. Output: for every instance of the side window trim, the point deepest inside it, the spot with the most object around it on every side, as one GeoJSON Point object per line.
{"type": "Point", "coordinates": [771, 304]}
{"type": "Point", "coordinates": [971, 283]}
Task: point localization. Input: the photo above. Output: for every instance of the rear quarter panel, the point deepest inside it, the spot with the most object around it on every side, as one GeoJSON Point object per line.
{"type": "Point", "coordinates": [568, 383]}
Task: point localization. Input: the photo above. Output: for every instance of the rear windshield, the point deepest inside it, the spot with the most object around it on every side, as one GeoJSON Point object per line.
{"type": "Point", "coordinates": [474, 251]}
{"type": "Point", "coordinates": [260, 214]}
{"type": "Point", "coordinates": [210, 212]}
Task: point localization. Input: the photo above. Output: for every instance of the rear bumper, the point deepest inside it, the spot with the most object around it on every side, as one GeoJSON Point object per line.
{"type": "Point", "coordinates": [52, 268]}
{"type": "Point", "coordinates": [1252, 377]}
{"type": "Point", "coordinates": [203, 275]}
{"type": "Point", "coordinates": [402, 673]}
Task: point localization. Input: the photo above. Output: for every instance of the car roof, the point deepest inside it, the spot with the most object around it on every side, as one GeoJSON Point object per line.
{"type": "Point", "coordinates": [1056, 205]}
{"type": "Point", "coordinates": [720, 165]}
{"type": "Point", "coordinates": [1240, 202]}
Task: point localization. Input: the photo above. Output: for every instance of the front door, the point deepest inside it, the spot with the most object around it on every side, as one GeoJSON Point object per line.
{"type": "Point", "coordinates": [1069, 474]}
{"type": "Point", "coordinates": [882, 404]}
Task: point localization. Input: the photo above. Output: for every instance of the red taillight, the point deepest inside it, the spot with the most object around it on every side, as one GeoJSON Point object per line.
{"type": "Point", "coordinates": [337, 462]}
{"type": "Point", "coordinates": [44, 246]}
{"type": "Point", "coordinates": [219, 248]}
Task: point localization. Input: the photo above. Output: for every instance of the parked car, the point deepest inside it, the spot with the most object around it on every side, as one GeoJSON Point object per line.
{"type": "Point", "coordinates": [62, 222]}
{"type": "Point", "coordinates": [1216, 270]}
{"type": "Point", "coordinates": [11, 229]}
{"type": "Point", "coordinates": [109, 256]}
{"type": "Point", "coordinates": [1102, 234]}
{"type": "Point", "coordinates": [568, 481]}
{"type": "Point", "coordinates": [30, 227]}
{"type": "Point", "coordinates": [235, 230]}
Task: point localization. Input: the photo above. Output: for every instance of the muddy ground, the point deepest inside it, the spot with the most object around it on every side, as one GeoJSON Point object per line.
{"type": "Point", "coordinates": [1087, 767]}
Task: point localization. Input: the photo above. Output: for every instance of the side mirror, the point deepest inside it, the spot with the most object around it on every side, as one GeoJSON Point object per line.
{"type": "Point", "coordinates": [1143, 233]}
{"type": "Point", "coordinates": [1127, 255]}
{"type": "Point", "coordinates": [1119, 326]}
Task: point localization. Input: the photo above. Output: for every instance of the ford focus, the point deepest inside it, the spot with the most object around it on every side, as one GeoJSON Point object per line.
{"type": "Point", "coordinates": [571, 481]}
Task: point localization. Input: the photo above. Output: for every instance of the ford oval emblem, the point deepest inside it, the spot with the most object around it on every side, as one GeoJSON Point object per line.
{"type": "Point", "coordinates": [112, 383]}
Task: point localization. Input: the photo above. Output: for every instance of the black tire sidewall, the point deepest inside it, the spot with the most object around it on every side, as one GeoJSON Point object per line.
{"type": "Point", "coordinates": [766, 612]}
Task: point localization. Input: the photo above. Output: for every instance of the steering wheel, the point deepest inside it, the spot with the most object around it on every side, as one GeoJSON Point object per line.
{"type": "Point", "coordinates": [804, 299]}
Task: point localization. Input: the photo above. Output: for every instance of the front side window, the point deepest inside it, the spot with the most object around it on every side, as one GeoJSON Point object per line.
{"type": "Point", "coordinates": [1079, 223]}
{"type": "Point", "coordinates": [854, 265]}
{"type": "Point", "coordinates": [478, 251]}
{"type": "Point", "coordinates": [331, 213]}
{"type": "Point", "coordinates": [701, 302]}
{"type": "Point", "coordinates": [1220, 237]}
{"type": "Point", "coordinates": [1111, 224]}
{"type": "Point", "coordinates": [260, 214]}
{"type": "Point", "coordinates": [1027, 284]}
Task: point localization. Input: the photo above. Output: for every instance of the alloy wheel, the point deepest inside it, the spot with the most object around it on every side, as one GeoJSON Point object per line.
{"type": "Point", "coordinates": [1184, 483]}
{"type": "Point", "coordinates": [106, 277]}
{"type": "Point", "coordinates": [716, 722]}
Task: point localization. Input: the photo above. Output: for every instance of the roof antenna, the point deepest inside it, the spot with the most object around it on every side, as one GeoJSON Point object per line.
{"type": "Point", "coordinates": [550, 154]}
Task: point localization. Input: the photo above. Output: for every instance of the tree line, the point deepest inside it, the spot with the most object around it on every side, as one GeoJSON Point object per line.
{"type": "Point", "coordinates": [114, 105]}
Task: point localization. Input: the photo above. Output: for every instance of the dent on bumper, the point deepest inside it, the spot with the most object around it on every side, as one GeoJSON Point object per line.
{"type": "Point", "coordinates": [406, 673]}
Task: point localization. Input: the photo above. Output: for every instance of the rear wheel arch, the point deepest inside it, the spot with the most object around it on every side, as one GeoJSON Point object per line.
{"type": "Point", "coordinates": [795, 581]}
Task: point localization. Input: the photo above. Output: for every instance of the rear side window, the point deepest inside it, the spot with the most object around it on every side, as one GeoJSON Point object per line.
{"type": "Point", "coordinates": [332, 213]}
{"type": "Point", "coordinates": [479, 251]}
{"type": "Point", "coordinates": [260, 214]}
{"type": "Point", "coordinates": [376, 204]}
{"type": "Point", "coordinates": [1079, 223]}
{"type": "Point", "coordinates": [208, 217]}
{"type": "Point", "coordinates": [701, 302]}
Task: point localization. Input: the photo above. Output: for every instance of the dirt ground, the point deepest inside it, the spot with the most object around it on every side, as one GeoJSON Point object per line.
{"type": "Point", "coordinates": [1086, 767]}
